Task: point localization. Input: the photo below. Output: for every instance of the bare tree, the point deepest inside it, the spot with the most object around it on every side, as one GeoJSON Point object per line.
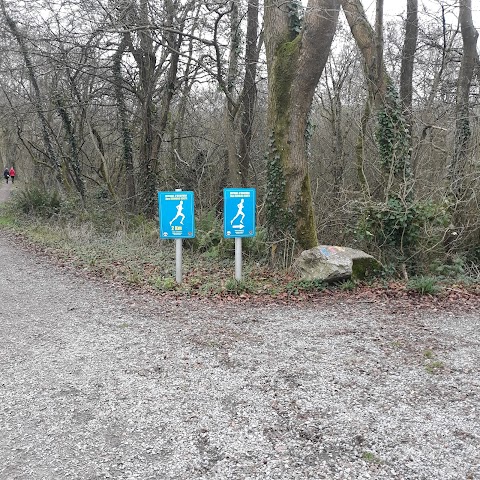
{"type": "Point", "coordinates": [296, 56]}
{"type": "Point", "coordinates": [50, 154]}
{"type": "Point", "coordinates": [456, 168]}
{"type": "Point", "coordinates": [408, 58]}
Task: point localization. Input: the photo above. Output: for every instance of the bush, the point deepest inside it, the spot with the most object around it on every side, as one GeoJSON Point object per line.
{"type": "Point", "coordinates": [402, 229]}
{"type": "Point", "coordinates": [256, 247]}
{"type": "Point", "coordinates": [238, 286]}
{"type": "Point", "coordinates": [38, 201]}
{"type": "Point", "coordinates": [424, 285]}
{"type": "Point", "coordinates": [208, 233]}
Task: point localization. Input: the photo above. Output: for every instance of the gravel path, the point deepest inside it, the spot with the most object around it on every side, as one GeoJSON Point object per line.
{"type": "Point", "coordinates": [6, 189]}
{"type": "Point", "coordinates": [97, 383]}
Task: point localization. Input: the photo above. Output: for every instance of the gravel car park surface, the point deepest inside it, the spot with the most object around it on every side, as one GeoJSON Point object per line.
{"type": "Point", "coordinates": [100, 383]}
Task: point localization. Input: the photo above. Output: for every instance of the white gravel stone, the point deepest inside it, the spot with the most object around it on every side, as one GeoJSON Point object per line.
{"type": "Point", "coordinates": [97, 383]}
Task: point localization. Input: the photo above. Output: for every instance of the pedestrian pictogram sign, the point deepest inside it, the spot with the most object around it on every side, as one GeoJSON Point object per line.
{"type": "Point", "coordinates": [176, 214]}
{"type": "Point", "coordinates": [239, 212]}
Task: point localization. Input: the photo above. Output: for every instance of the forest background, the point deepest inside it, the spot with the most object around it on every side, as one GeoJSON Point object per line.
{"type": "Point", "coordinates": [356, 129]}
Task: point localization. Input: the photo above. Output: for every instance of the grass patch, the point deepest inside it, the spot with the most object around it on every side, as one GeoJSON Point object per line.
{"type": "Point", "coordinates": [428, 354]}
{"type": "Point", "coordinates": [424, 285]}
{"type": "Point", "coordinates": [371, 458]}
{"type": "Point", "coordinates": [238, 287]}
{"type": "Point", "coordinates": [434, 367]}
{"type": "Point", "coordinates": [165, 284]}
{"type": "Point", "coordinates": [295, 287]}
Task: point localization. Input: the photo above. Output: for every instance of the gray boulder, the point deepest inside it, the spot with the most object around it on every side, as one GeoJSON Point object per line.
{"type": "Point", "coordinates": [331, 263]}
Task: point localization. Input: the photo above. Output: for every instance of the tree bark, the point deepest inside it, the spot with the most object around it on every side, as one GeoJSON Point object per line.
{"type": "Point", "coordinates": [231, 107]}
{"type": "Point", "coordinates": [295, 61]}
{"type": "Point", "coordinates": [127, 141]}
{"type": "Point", "coordinates": [370, 43]}
{"type": "Point", "coordinates": [456, 168]}
{"type": "Point", "coordinates": [145, 59]}
{"type": "Point", "coordinates": [249, 91]}
{"type": "Point", "coordinates": [408, 57]}
{"type": "Point", "coordinates": [73, 165]}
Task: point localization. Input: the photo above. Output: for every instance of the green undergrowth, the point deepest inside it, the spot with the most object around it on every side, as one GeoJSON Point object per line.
{"type": "Point", "coordinates": [128, 249]}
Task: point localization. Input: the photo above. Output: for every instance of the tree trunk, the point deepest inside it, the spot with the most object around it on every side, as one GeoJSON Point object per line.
{"type": "Point", "coordinates": [392, 135]}
{"type": "Point", "coordinates": [370, 43]}
{"type": "Point", "coordinates": [295, 61]}
{"type": "Point", "coordinates": [240, 110]}
{"type": "Point", "coordinates": [126, 133]}
{"type": "Point", "coordinates": [174, 41]}
{"type": "Point", "coordinates": [73, 165]}
{"type": "Point", "coordinates": [231, 107]}
{"type": "Point", "coordinates": [249, 91]}
{"type": "Point", "coordinates": [408, 57]}
{"type": "Point", "coordinates": [52, 159]}
{"type": "Point", "coordinates": [456, 168]}
{"type": "Point", "coordinates": [146, 61]}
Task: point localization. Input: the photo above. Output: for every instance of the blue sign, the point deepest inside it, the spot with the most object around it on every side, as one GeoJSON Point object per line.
{"type": "Point", "coordinates": [175, 211]}
{"type": "Point", "coordinates": [239, 212]}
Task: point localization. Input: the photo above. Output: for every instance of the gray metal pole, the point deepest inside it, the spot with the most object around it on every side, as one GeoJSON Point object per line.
{"type": "Point", "coordinates": [178, 255]}
{"type": "Point", "coordinates": [178, 260]}
{"type": "Point", "coordinates": [238, 258]}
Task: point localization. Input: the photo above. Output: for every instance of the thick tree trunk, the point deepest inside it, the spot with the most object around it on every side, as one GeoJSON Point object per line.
{"type": "Point", "coordinates": [146, 61]}
{"type": "Point", "coordinates": [240, 109]}
{"type": "Point", "coordinates": [392, 133]}
{"type": "Point", "coordinates": [174, 41]}
{"type": "Point", "coordinates": [73, 165]}
{"type": "Point", "coordinates": [127, 141]}
{"type": "Point", "coordinates": [456, 168]}
{"type": "Point", "coordinates": [249, 92]}
{"type": "Point", "coordinates": [295, 62]}
{"type": "Point", "coordinates": [408, 57]}
{"type": "Point", "coordinates": [231, 107]}
{"type": "Point", "coordinates": [370, 43]}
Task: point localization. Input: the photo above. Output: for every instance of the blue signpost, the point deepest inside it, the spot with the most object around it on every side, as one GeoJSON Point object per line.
{"type": "Point", "coordinates": [175, 210]}
{"type": "Point", "coordinates": [239, 212]}
{"type": "Point", "coordinates": [177, 221]}
{"type": "Point", "coordinates": [239, 206]}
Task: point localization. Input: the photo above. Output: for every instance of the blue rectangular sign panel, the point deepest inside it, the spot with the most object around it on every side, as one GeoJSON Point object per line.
{"type": "Point", "coordinates": [176, 214]}
{"type": "Point", "coordinates": [239, 211]}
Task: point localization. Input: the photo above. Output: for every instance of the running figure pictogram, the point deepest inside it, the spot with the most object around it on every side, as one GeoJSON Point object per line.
{"type": "Point", "coordinates": [179, 208]}
{"type": "Point", "coordinates": [239, 213]}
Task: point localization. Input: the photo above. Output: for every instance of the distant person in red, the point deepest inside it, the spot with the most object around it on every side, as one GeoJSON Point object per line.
{"type": "Point", "coordinates": [12, 174]}
{"type": "Point", "coordinates": [6, 175]}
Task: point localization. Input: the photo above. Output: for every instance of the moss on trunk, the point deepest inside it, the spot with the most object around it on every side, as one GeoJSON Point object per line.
{"type": "Point", "coordinates": [290, 216]}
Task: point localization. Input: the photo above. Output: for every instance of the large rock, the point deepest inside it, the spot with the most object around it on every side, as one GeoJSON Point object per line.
{"type": "Point", "coordinates": [330, 263]}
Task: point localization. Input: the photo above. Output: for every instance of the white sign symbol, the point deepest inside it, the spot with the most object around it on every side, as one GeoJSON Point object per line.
{"type": "Point", "coordinates": [239, 214]}
{"type": "Point", "coordinates": [179, 208]}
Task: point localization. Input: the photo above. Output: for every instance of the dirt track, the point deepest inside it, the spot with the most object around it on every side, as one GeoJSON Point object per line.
{"type": "Point", "coordinates": [98, 383]}
{"type": "Point", "coordinates": [5, 190]}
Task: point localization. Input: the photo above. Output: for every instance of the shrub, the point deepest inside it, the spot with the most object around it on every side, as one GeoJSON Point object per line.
{"type": "Point", "coordinates": [238, 286]}
{"type": "Point", "coordinates": [38, 201]}
{"type": "Point", "coordinates": [423, 285]}
{"type": "Point", "coordinates": [402, 229]}
{"type": "Point", "coordinates": [209, 233]}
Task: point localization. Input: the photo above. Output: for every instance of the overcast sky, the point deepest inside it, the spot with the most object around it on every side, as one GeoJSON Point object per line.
{"type": "Point", "coordinates": [393, 8]}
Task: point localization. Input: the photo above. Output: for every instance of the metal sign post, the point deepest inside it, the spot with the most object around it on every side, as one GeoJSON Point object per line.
{"type": "Point", "coordinates": [178, 260]}
{"type": "Point", "coordinates": [177, 221]}
{"type": "Point", "coordinates": [238, 259]}
{"type": "Point", "coordinates": [239, 219]}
